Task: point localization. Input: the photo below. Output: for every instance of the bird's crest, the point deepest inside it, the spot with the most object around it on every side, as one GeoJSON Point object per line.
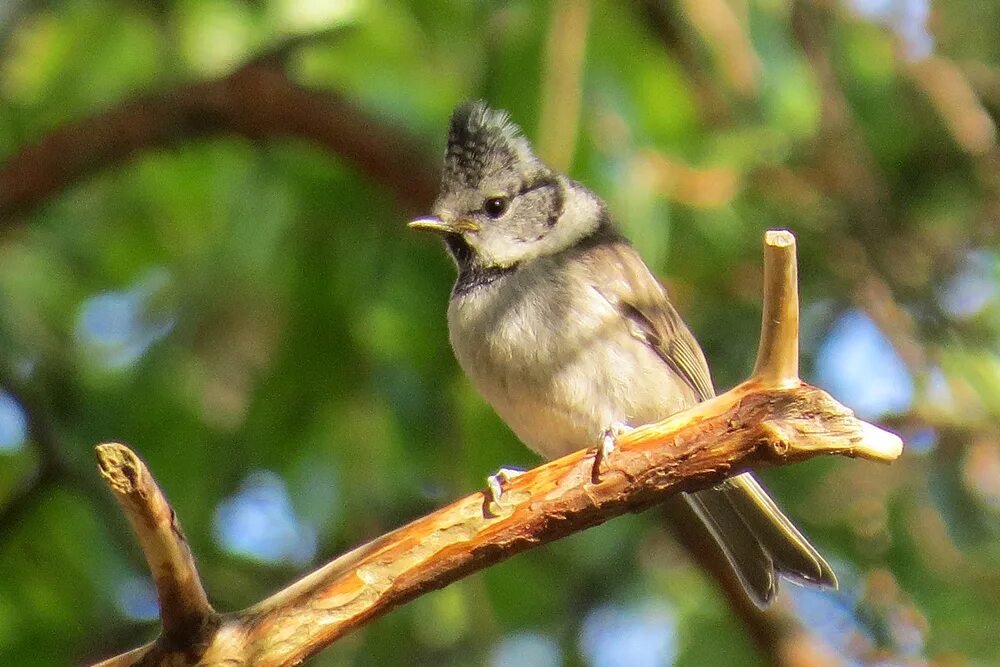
{"type": "Point", "coordinates": [480, 141]}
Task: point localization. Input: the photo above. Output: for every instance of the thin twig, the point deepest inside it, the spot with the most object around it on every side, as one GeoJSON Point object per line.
{"type": "Point", "coordinates": [778, 355]}
{"type": "Point", "coordinates": [664, 22]}
{"type": "Point", "coordinates": [184, 607]}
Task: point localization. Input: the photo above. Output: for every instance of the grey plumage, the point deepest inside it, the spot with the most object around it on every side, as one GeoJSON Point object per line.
{"type": "Point", "coordinates": [565, 331]}
{"type": "Point", "coordinates": [481, 140]}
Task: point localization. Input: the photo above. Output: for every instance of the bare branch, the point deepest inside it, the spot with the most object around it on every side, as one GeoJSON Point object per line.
{"type": "Point", "coordinates": [134, 657]}
{"type": "Point", "coordinates": [751, 426]}
{"type": "Point", "coordinates": [771, 629]}
{"type": "Point", "coordinates": [184, 607]}
{"type": "Point", "coordinates": [769, 420]}
{"type": "Point", "coordinates": [778, 354]}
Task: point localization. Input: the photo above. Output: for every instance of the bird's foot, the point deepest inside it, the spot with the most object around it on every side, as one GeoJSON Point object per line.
{"type": "Point", "coordinates": [607, 446]}
{"type": "Point", "coordinates": [495, 482]}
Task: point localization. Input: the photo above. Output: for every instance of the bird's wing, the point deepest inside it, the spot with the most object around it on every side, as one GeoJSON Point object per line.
{"type": "Point", "coordinates": [625, 281]}
{"type": "Point", "coordinates": [757, 539]}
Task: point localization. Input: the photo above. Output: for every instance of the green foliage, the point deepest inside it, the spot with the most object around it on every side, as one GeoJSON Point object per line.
{"type": "Point", "coordinates": [228, 307]}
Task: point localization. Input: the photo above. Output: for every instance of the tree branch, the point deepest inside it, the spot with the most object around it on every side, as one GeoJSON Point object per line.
{"type": "Point", "coordinates": [770, 629]}
{"type": "Point", "coordinates": [778, 354]}
{"type": "Point", "coordinates": [50, 468]}
{"type": "Point", "coordinates": [257, 101]}
{"type": "Point", "coordinates": [184, 606]}
{"type": "Point", "coordinates": [53, 467]}
{"type": "Point", "coordinates": [772, 419]}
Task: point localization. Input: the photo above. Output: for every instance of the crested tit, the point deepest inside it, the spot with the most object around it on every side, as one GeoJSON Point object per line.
{"type": "Point", "coordinates": [571, 338]}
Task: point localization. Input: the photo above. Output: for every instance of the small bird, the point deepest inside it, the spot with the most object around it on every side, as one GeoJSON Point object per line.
{"type": "Point", "coordinates": [570, 337]}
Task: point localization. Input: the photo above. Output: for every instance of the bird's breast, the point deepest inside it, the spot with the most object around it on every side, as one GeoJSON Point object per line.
{"type": "Point", "coordinates": [556, 360]}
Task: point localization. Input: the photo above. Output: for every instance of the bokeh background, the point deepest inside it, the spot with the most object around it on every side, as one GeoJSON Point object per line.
{"type": "Point", "coordinates": [203, 254]}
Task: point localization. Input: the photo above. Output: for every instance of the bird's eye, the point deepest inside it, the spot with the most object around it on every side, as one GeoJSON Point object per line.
{"type": "Point", "coordinates": [496, 206]}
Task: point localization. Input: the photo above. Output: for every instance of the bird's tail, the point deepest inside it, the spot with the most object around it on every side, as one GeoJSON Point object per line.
{"type": "Point", "coordinates": [759, 541]}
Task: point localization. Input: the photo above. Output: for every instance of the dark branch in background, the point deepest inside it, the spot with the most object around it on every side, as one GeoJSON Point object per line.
{"type": "Point", "coordinates": [771, 419]}
{"type": "Point", "coordinates": [11, 12]}
{"type": "Point", "coordinates": [776, 633]}
{"type": "Point", "coordinates": [184, 606]}
{"type": "Point", "coordinates": [257, 101]}
{"type": "Point", "coordinates": [41, 426]}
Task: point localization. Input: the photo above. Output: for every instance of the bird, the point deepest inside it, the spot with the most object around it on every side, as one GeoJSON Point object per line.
{"type": "Point", "coordinates": [571, 338]}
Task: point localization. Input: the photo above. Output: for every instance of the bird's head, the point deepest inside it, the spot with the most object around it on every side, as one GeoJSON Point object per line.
{"type": "Point", "coordinates": [500, 205]}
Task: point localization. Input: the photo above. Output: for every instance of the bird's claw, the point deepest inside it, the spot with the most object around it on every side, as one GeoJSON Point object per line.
{"type": "Point", "coordinates": [495, 482]}
{"type": "Point", "coordinates": [606, 448]}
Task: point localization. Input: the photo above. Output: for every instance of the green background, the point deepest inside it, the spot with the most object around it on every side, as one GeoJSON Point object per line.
{"type": "Point", "coordinates": [253, 317]}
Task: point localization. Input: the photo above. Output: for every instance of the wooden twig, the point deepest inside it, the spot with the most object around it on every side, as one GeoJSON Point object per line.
{"type": "Point", "coordinates": [778, 354]}
{"type": "Point", "coordinates": [184, 607]}
{"type": "Point", "coordinates": [768, 420]}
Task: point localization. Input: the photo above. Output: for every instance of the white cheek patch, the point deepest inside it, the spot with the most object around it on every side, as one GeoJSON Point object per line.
{"type": "Point", "coordinates": [503, 244]}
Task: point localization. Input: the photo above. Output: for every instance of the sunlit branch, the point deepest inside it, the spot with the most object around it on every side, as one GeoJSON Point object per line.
{"type": "Point", "coordinates": [778, 354]}
{"type": "Point", "coordinates": [768, 420]}
{"type": "Point", "coordinates": [184, 607]}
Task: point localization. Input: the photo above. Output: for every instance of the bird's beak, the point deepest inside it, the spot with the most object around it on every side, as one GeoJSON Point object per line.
{"type": "Point", "coordinates": [432, 223]}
